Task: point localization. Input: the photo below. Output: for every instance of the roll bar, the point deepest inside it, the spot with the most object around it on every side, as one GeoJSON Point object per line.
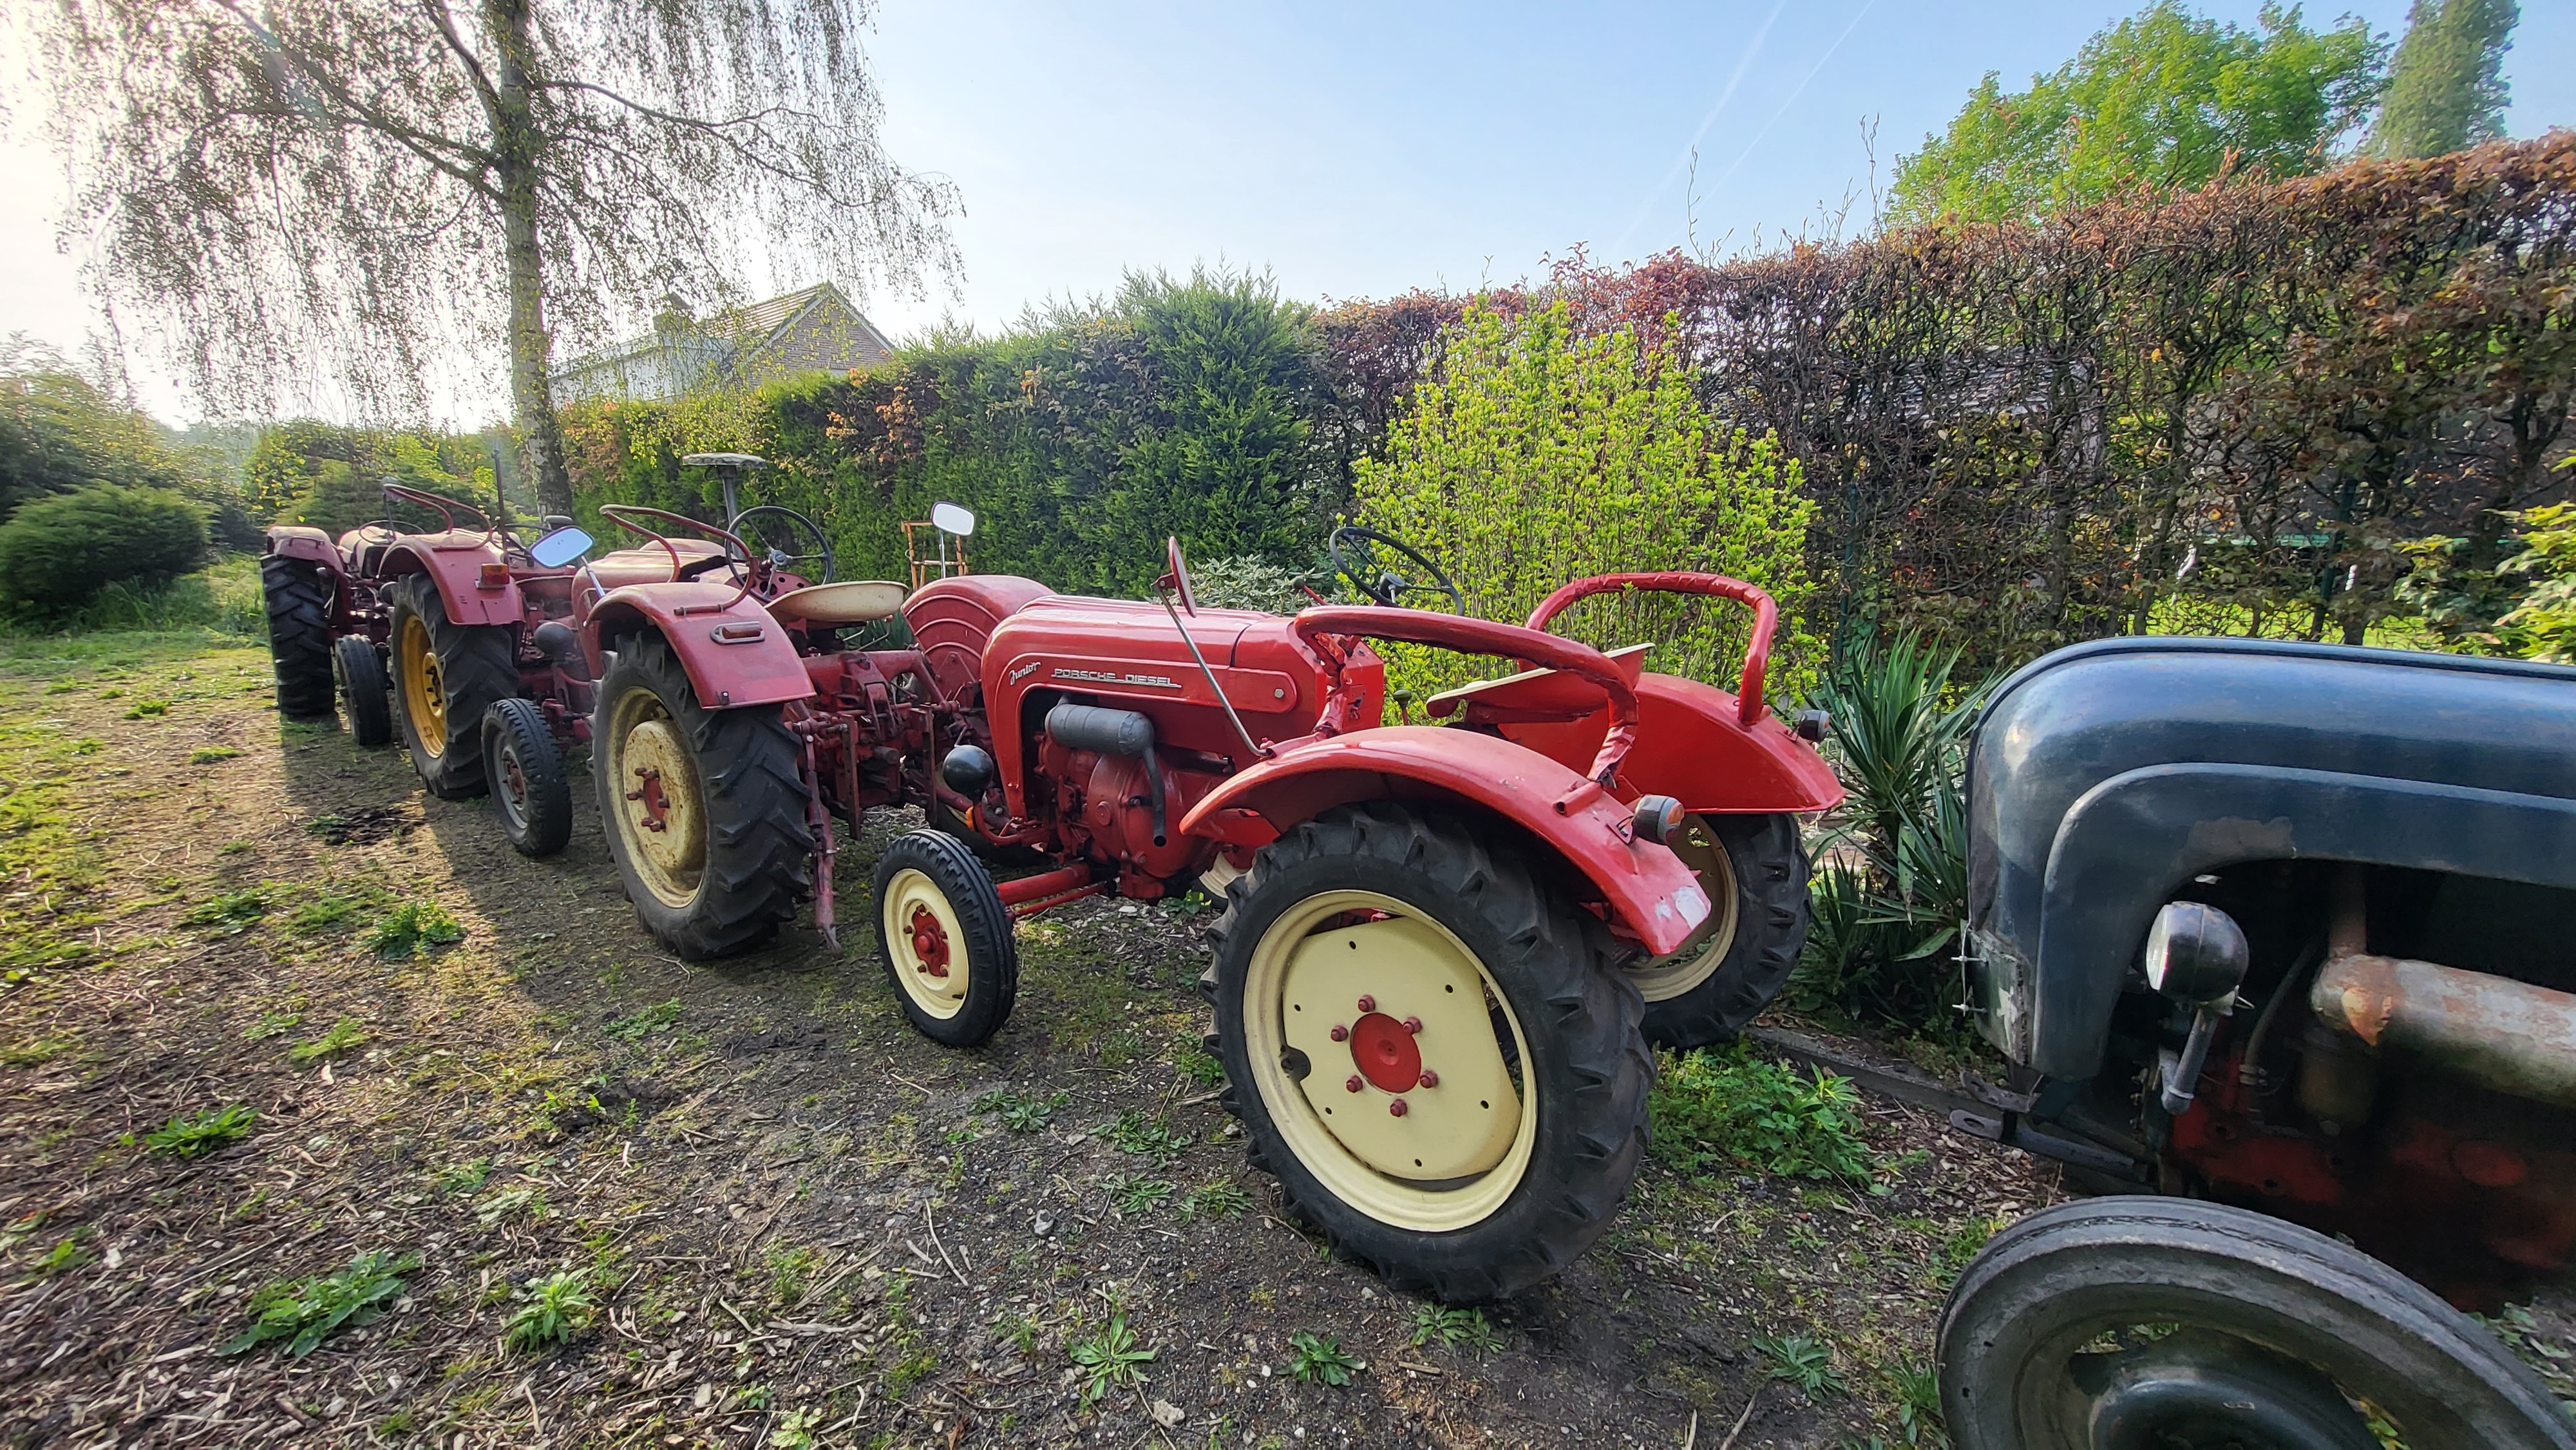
{"type": "Point", "coordinates": [618, 512]}
{"type": "Point", "coordinates": [1749, 703]}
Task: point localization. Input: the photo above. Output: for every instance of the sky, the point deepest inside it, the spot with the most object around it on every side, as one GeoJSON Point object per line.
{"type": "Point", "coordinates": [1362, 150]}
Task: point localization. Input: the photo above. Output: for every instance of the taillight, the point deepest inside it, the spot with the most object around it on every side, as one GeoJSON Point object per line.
{"type": "Point", "coordinates": [495, 576]}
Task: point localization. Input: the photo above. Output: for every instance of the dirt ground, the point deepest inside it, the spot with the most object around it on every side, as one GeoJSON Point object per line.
{"type": "Point", "coordinates": [795, 1222]}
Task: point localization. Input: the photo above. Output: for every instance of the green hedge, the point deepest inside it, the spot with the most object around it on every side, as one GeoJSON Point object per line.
{"type": "Point", "coordinates": [58, 551]}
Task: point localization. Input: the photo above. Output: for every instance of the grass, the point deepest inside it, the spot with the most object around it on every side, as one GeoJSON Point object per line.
{"type": "Point", "coordinates": [200, 1133]}
{"type": "Point", "coordinates": [210, 754]}
{"type": "Point", "coordinates": [1918, 1402]}
{"type": "Point", "coordinates": [326, 911]}
{"type": "Point", "coordinates": [1108, 1360]}
{"type": "Point", "coordinates": [413, 928]}
{"type": "Point", "coordinates": [307, 1311]}
{"type": "Point", "coordinates": [35, 1052]}
{"type": "Point", "coordinates": [1151, 1138]}
{"type": "Point", "coordinates": [558, 1307]}
{"type": "Point", "coordinates": [1800, 1360]}
{"type": "Point", "coordinates": [791, 1273]}
{"type": "Point", "coordinates": [273, 1023]}
{"type": "Point", "coordinates": [1018, 1111]}
{"type": "Point", "coordinates": [228, 912]}
{"type": "Point", "coordinates": [1454, 1329]}
{"type": "Point", "coordinates": [346, 1033]}
{"type": "Point", "coordinates": [1222, 1199]}
{"type": "Point", "coordinates": [1317, 1359]}
{"type": "Point", "coordinates": [651, 1021]}
{"type": "Point", "coordinates": [464, 1177]}
{"type": "Point", "coordinates": [1198, 1065]}
{"type": "Point", "coordinates": [1728, 1108]}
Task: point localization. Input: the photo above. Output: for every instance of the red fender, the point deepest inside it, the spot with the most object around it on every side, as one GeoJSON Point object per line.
{"type": "Point", "coordinates": [294, 541]}
{"type": "Point", "coordinates": [734, 653]}
{"type": "Point", "coordinates": [1691, 747]}
{"type": "Point", "coordinates": [455, 561]}
{"type": "Point", "coordinates": [1651, 893]}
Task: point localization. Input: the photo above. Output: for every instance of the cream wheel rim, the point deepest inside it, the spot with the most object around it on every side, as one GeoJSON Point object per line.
{"type": "Point", "coordinates": [1698, 958]}
{"type": "Point", "coordinates": [661, 816]}
{"type": "Point", "coordinates": [1405, 1108]}
{"type": "Point", "coordinates": [424, 694]}
{"type": "Point", "coordinates": [923, 939]}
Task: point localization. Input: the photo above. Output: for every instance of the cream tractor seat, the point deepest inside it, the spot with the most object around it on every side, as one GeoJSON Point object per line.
{"type": "Point", "coordinates": [849, 601]}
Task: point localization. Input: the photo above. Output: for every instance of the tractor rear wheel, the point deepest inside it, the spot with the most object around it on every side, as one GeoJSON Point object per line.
{"type": "Point", "coordinates": [946, 939]}
{"type": "Point", "coordinates": [298, 598]}
{"type": "Point", "coordinates": [363, 696]}
{"type": "Point", "coordinates": [1430, 1048]}
{"type": "Point", "coordinates": [526, 769]}
{"type": "Point", "coordinates": [445, 676]}
{"type": "Point", "coordinates": [2166, 1321]}
{"type": "Point", "coordinates": [1754, 869]}
{"type": "Point", "coordinates": [705, 809]}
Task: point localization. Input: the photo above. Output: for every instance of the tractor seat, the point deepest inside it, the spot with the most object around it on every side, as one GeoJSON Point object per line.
{"type": "Point", "coordinates": [1546, 692]}
{"type": "Point", "coordinates": [850, 601]}
{"type": "Point", "coordinates": [649, 564]}
{"type": "Point", "coordinates": [364, 547]}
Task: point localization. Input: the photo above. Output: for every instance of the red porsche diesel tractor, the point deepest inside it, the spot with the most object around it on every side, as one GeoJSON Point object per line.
{"type": "Point", "coordinates": [1445, 949]}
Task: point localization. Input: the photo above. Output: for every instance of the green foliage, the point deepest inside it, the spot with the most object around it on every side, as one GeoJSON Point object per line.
{"type": "Point", "coordinates": [412, 928]}
{"type": "Point", "coordinates": [1802, 1361]}
{"type": "Point", "coordinates": [1136, 1133]}
{"type": "Point", "coordinates": [1246, 581]}
{"type": "Point", "coordinates": [648, 1022]}
{"type": "Point", "coordinates": [228, 912]}
{"type": "Point", "coordinates": [1018, 1111]}
{"type": "Point", "coordinates": [346, 1033]}
{"type": "Point", "coordinates": [1453, 1328]}
{"type": "Point", "coordinates": [1725, 1108]}
{"type": "Point", "coordinates": [1199, 1065]}
{"type": "Point", "coordinates": [464, 1177]}
{"type": "Point", "coordinates": [1222, 1199]}
{"type": "Point", "coordinates": [1110, 1359]}
{"type": "Point", "coordinates": [1918, 1403]}
{"type": "Point", "coordinates": [2165, 100]}
{"type": "Point", "coordinates": [1316, 1359]}
{"type": "Point", "coordinates": [2543, 625]}
{"type": "Point", "coordinates": [222, 600]}
{"type": "Point", "coordinates": [307, 1311]}
{"type": "Point", "coordinates": [332, 477]}
{"type": "Point", "coordinates": [557, 1307]}
{"type": "Point", "coordinates": [59, 433]}
{"type": "Point", "coordinates": [1539, 454]}
{"type": "Point", "coordinates": [57, 552]}
{"type": "Point", "coordinates": [1137, 1195]}
{"type": "Point", "coordinates": [2446, 86]}
{"type": "Point", "coordinates": [200, 1133]}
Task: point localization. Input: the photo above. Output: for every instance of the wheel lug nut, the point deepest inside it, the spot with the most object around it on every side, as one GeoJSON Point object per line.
{"type": "Point", "coordinates": [1368, 1003]}
{"type": "Point", "coordinates": [1413, 1025]}
{"type": "Point", "coordinates": [1395, 1109]}
{"type": "Point", "coordinates": [1341, 1033]}
{"type": "Point", "coordinates": [1352, 1082]}
{"type": "Point", "coordinates": [1430, 1078]}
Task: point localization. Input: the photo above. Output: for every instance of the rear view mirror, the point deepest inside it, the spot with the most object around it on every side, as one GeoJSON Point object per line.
{"type": "Point", "coordinates": [559, 548]}
{"type": "Point", "coordinates": [954, 518]}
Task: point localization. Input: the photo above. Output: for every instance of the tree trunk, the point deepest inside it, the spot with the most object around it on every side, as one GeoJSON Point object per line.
{"type": "Point", "coordinates": [515, 144]}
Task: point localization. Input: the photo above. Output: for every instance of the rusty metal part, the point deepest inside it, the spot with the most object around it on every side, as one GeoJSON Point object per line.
{"type": "Point", "coordinates": [2493, 1031]}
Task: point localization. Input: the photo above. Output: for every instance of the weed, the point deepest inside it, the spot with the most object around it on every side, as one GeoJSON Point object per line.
{"type": "Point", "coordinates": [327, 911]}
{"type": "Point", "coordinates": [1729, 1108]}
{"type": "Point", "coordinates": [797, 1430]}
{"type": "Point", "coordinates": [1017, 1330]}
{"type": "Point", "coordinates": [209, 754]}
{"type": "Point", "coordinates": [464, 1177]}
{"type": "Point", "coordinates": [1109, 1359]}
{"type": "Point", "coordinates": [1454, 1328]}
{"type": "Point", "coordinates": [88, 746]}
{"type": "Point", "coordinates": [412, 928]}
{"type": "Point", "coordinates": [653, 1020]}
{"type": "Point", "coordinates": [199, 1133]}
{"type": "Point", "coordinates": [1222, 1199]}
{"type": "Point", "coordinates": [791, 1272]}
{"type": "Point", "coordinates": [1918, 1403]}
{"type": "Point", "coordinates": [558, 1306]}
{"type": "Point", "coordinates": [306, 1311]}
{"type": "Point", "coordinates": [1184, 906]}
{"type": "Point", "coordinates": [35, 1052]}
{"type": "Point", "coordinates": [1135, 1133]}
{"type": "Point", "coordinates": [1018, 1111]}
{"type": "Point", "coordinates": [229, 912]}
{"type": "Point", "coordinates": [1138, 1195]}
{"type": "Point", "coordinates": [1959, 1247]}
{"type": "Point", "coordinates": [1802, 1361]}
{"type": "Point", "coordinates": [143, 709]}
{"type": "Point", "coordinates": [1198, 1065]}
{"type": "Point", "coordinates": [531, 1201]}
{"type": "Point", "coordinates": [233, 848]}
{"type": "Point", "coordinates": [61, 1258]}
{"type": "Point", "coordinates": [1316, 1359]}
{"type": "Point", "coordinates": [346, 1033]}
{"type": "Point", "coordinates": [272, 1024]}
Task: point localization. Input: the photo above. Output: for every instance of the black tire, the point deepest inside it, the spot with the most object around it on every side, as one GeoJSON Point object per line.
{"type": "Point", "coordinates": [363, 690]}
{"type": "Point", "coordinates": [2256, 1315]}
{"type": "Point", "coordinates": [476, 665]}
{"type": "Point", "coordinates": [1765, 861]}
{"type": "Point", "coordinates": [1582, 1065]}
{"type": "Point", "coordinates": [530, 787]}
{"type": "Point", "coordinates": [936, 909]}
{"type": "Point", "coordinates": [298, 597]}
{"type": "Point", "coordinates": [749, 833]}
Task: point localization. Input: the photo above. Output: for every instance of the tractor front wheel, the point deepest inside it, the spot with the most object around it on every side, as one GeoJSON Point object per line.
{"type": "Point", "coordinates": [526, 769]}
{"type": "Point", "coordinates": [361, 673]}
{"type": "Point", "coordinates": [298, 599]}
{"type": "Point", "coordinates": [705, 808]}
{"type": "Point", "coordinates": [1754, 869]}
{"type": "Point", "coordinates": [946, 939]}
{"type": "Point", "coordinates": [446, 675]}
{"type": "Point", "coordinates": [1430, 1048]}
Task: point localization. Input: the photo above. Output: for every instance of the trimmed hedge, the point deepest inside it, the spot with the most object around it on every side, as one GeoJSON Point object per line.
{"type": "Point", "coordinates": [57, 552]}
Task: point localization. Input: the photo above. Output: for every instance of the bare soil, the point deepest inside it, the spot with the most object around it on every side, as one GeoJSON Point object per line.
{"type": "Point", "coordinates": [794, 1223]}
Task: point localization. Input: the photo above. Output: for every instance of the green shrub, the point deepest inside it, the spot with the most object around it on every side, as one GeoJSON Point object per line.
{"type": "Point", "coordinates": [1725, 1108]}
{"type": "Point", "coordinates": [2543, 625]}
{"type": "Point", "coordinates": [1540, 455]}
{"type": "Point", "coordinates": [1246, 581]}
{"type": "Point", "coordinates": [57, 553]}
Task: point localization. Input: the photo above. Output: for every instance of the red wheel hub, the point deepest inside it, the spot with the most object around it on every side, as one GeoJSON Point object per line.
{"type": "Point", "coordinates": [929, 941]}
{"type": "Point", "coordinates": [1385, 1053]}
{"type": "Point", "coordinates": [657, 807]}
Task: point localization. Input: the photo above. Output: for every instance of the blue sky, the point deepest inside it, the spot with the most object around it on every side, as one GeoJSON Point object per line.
{"type": "Point", "coordinates": [1357, 150]}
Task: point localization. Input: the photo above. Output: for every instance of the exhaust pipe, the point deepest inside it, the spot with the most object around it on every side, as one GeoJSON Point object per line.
{"type": "Point", "coordinates": [2493, 1031]}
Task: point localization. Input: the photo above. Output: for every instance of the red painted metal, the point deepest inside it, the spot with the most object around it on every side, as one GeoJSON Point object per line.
{"type": "Point", "coordinates": [761, 671]}
{"type": "Point", "coordinates": [1757, 652]}
{"type": "Point", "coordinates": [1385, 1053]}
{"type": "Point", "coordinates": [929, 941]}
{"type": "Point", "coordinates": [311, 545]}
{"type": "Point", "coordinates": [1689, 746]}
{"type": "Point", "coordinates": [1653, 897]}
{"type": "Point", "coordinates": [454, 562]}
{"type": "Point", "coordinates": [1045, 884]}
{"type": "Point", "coordinates": [625, 516]}
{"type": "Point", "coordinates": [952, 620]}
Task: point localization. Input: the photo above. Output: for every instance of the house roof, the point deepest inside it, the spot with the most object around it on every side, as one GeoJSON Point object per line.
{"type": "Point", "coordinates": [749, 328]}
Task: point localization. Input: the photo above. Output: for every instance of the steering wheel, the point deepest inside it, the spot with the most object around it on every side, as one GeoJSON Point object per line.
{"type": "Point", "coordinates": [784, 525]}
{"type": "Point", "coordinates": [1360, 556]}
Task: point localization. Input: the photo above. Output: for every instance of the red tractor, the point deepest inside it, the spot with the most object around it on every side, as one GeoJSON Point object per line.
{"type": "Point", "coordinates": [1445, 948]}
